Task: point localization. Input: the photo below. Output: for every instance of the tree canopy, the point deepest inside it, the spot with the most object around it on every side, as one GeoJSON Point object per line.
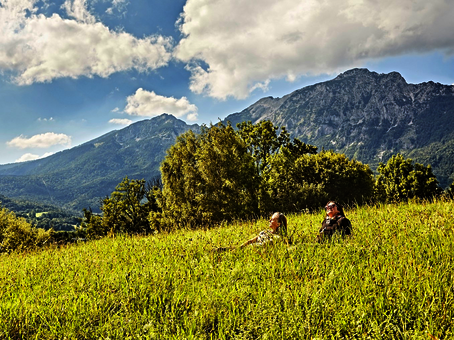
{"type": "Point", "coordinates": [401, 179]}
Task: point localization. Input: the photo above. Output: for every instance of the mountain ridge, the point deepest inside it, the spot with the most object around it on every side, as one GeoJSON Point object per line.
{"type": "Point", "coordinates": [366, 115]}
{"type": "Point", "coordinates": [79, 177]}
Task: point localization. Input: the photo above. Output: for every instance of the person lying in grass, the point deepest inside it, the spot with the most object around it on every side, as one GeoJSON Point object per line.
{"type": "Point", "coordinates": [335, 221]}
{"type": "Point", "coordinates": [278, 228]}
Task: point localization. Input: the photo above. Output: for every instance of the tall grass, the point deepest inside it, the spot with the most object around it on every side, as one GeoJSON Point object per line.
{"type": "Point", "coordinates": [392, 279]}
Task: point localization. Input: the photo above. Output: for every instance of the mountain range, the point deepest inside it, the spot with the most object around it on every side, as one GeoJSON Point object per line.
{"type": "Point", "coordinates": [366, 115]}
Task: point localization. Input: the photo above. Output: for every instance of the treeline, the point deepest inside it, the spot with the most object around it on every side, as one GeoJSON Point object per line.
{"type": "Point", "coordinates": [222, 174]}
{"type": "Point", "coordinates": [41, 215]}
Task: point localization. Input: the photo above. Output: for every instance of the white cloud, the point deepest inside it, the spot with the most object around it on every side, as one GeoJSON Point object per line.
{"type": "Point", "coordinates": [117, 5]}
{"type": "Point", "coordinates": [38, 48]}
{"type": "Point", "coordinates": [44, 140]}
{"type": "Point", "coordinates": [149, 104]}
{"type": "Point", "coordinates": [120, 121]}
{"type": "Point", "coordinates": [192, 117]}
{"type": "Point", "coordinates": [246, 43]}
{"type": "Point", "coordinates": [31, 157]}
{"type": "Point", "coordinates": [78, 10]}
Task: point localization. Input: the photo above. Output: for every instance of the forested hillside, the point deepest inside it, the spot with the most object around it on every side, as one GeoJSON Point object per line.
{"type": "Point", "coordinates": [80, 177]}
{"type": "Point", "coordinates": [41, 215]}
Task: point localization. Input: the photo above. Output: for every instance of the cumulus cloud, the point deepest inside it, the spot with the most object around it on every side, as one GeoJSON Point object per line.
{"type": "Point", "coordinates": [39, 48]}
{"type": "Point", "coordinates": [31, 157]}
{"type": "Point", "coordinates": [149, 104]}
{"type": "Point", "coordinates": [120, 121]}
{"type": "Point", "coordinates": [44, 140]}
{"type": "Point", "coordinates": [244, 44]}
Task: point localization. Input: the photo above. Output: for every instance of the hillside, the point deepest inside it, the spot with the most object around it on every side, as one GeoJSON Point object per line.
{"type": "Point", "coordinates": [383, 283]}
{"type": "Point", "coordinates": [368, 116]}
{"type": "Point", "coordinates": [79, 177]}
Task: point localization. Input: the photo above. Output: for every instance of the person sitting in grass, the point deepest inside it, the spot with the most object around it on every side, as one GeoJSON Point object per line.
{"type": "Point", "coordinates": [335, 221]}
{"type": "Point", "coordinates": [278, 228]}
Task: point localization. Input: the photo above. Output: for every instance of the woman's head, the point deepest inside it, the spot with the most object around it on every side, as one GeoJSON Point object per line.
{"type": "Point", "coordinates": [278, 222]}
{"type": "Point", "coordinates": [333, 208]}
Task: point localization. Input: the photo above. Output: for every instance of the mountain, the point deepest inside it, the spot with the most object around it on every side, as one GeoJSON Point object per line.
{"type": "Point", "coordinates": [79, 177]}
{"type": "Point", "coordinates": [366, 115]}
{"type": "Point", "coordinates": [369, 117]}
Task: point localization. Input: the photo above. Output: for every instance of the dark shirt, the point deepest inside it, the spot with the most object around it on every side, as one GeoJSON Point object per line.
{"type": "Point", "coordinates": [338, 223]}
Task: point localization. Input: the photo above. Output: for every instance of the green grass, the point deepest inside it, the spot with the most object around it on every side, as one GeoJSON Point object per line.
{"type": "Point", "coordinates": [392, 279]}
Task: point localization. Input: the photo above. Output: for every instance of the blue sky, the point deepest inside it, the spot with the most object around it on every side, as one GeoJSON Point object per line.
{"type": "Point", "coordinates": [72, 70]}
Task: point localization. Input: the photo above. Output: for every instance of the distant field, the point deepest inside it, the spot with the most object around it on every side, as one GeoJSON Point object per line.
{"type": "Point", "coordinates": [392, 279]}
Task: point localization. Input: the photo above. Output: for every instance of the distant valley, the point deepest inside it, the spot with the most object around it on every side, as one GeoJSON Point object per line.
{"type": "Point", "coordinates": [366, 115]}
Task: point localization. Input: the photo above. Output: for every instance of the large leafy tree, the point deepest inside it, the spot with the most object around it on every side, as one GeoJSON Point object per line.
{"type": "Point", "coordinates": [207, 178]}
{"type": "Point", "coordinates": [264, 141]}
{"type": "Point", "coordinates": [400, 179]}
{"type": "Point", "coordinates": [306, 181]}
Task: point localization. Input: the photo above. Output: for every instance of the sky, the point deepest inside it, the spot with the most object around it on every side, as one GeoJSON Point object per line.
{"type": "Point", "coordinates": [72, 70]}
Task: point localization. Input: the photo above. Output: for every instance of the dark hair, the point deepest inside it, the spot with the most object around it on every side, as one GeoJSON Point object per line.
{"type": "Point", "coordinates": [339, 207]}
{"type": "Point", "coordinates": [282, 224]}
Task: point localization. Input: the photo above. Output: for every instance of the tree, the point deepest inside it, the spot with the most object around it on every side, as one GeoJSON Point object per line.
{"type": "Point", "coordinates": [207, 178]}
{"type": "Point", "coordinates": [306, 181]}
{"type": "Point", "coordinates": [125, 211]}
{"type": "Point", "coordinates": [264, 142]}
{"type": "Point", "coordinates": [401, 179]}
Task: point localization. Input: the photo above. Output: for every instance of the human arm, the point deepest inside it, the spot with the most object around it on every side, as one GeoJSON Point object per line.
{"type": "Point", "coordinates": [248, 242]}
{"type": "Point", "coordinates": [345, 226]}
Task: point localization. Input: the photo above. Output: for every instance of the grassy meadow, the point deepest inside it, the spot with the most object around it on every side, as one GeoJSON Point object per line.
{"type": "Point", "coordinates": [392, 279]}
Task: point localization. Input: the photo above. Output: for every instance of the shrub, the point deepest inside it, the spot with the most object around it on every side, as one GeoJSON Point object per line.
{"type": "Point", "coordinates": [17, 234]}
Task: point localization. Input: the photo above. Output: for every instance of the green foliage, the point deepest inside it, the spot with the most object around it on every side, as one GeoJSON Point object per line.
{"type": "Point", "coordinates": [305, 181]}
{"type": "Point", "coordinates": [401, 179]}
{"type": "Point", "coordinates": [391, 280]}
{"type": "Point", "coordinates": [450, 191]}
{"type": "Point", "coordinates": [263, 141]}
{"type": "Point", "coordinates": [125, 211]}
{"type": "Point", "coordinates": [41, 215]}
{"type": "Point", "coordinates": [207, 178]}
{"type": "Point", "coordinates": [221, 174]}
{"type": "Point", "coordinates": [17, 234]}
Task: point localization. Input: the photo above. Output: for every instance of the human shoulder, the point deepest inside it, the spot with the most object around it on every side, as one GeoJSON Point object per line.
{"type": "Point", "coordinates": [343, 220]}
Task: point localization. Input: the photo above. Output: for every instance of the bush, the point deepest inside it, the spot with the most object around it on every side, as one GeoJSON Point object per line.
{"type": "Point", "coordinates": [17, 234]}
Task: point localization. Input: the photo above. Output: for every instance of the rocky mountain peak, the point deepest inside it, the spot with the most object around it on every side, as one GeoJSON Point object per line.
{"type": "Point", "coordinates": [356, 72]}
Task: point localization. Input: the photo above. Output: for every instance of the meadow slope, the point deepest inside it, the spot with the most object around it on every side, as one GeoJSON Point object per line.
{"type": "Point", "coordinates": [392, 279]}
